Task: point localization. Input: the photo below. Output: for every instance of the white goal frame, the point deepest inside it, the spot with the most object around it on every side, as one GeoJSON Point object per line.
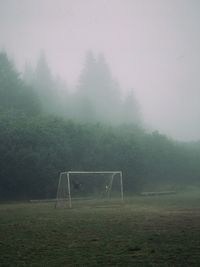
{"type": "Point", "coordinates": [89, 172]}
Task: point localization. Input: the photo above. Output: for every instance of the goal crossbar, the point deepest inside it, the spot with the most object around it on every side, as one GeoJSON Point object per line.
{"type": "Point", "coordinates": [95, 172]}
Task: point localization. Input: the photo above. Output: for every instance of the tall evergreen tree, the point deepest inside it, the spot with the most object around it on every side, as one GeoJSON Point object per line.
{"type": "Point", "coordinates": [29, 74]}
{"type": "Point", "coordinates": [130, 110]}
{"type": "Point", "coordinates": [14, 94]}
{"type": "Point", "coordinates": [98, 93]}
{"type": "Point", "coordinates": [52, 92]}
{"type": "Point", "coordinates": [43, 83]}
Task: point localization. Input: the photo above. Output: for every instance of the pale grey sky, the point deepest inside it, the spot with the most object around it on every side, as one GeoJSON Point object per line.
{"type": "Point", "coordinates": [152, 46]}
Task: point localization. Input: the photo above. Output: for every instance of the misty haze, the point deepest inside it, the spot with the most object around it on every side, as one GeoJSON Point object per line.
{"type": "Point", "coordinates": [99, 132]}
{"type": "Point", "coordinates": [151, 47]}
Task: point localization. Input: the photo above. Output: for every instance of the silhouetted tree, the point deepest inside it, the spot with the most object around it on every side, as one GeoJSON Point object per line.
{"type": "Point", "coordinates": [98, 94]}
{"type": "Point", "coordinates": [130, 110]}
{"type": "Point", "coordinates": [52, 92]}
{"type": "Point", "coordinates": [14, 94]}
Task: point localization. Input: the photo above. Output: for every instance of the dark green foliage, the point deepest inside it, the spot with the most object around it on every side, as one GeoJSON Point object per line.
{"type": "Point", "coordinates": [36, 147]}
{"type": "Point", "coordinates": [34, 150]}
{"type": "Point", "coordinates": [14, 95]}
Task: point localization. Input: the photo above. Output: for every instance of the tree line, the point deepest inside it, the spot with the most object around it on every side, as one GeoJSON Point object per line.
{"type": "Point", "coordinates": [97, 97]}
{"type": "Point", "coordinates": [39, 137]}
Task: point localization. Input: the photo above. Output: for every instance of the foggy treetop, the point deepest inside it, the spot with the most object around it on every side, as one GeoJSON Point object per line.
{"type": "Point", "coordinates": [151, 46]}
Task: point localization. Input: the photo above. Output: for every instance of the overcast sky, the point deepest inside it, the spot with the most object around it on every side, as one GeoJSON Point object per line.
{"type": "Point", "coordinates": [152, 46]}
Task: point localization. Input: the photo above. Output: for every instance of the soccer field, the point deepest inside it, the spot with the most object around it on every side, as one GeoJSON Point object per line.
{"type": "Point", "coordinates": [144, 231]}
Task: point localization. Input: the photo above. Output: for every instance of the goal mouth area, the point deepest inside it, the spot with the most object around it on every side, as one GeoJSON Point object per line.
{"type": "Point", "coordinates": [89, 188]}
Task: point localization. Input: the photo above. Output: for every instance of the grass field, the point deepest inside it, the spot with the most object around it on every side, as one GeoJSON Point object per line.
{"type": "Point", "coordinates": [144, 231]}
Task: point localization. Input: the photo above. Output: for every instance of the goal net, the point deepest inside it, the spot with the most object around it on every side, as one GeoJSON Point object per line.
{"type": "Point", "coordinates": [89, 187]}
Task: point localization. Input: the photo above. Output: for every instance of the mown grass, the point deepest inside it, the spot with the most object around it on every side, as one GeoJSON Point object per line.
{"type": "Point", "coordinates": [145, 231]}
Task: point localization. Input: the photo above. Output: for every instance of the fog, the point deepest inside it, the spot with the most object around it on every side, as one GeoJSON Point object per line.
{"type": "Point", "coordinates": [151, 46]}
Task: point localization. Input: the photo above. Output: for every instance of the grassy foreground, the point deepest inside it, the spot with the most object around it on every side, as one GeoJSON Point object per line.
{"type": "Point", "coordinates": [145, 231]}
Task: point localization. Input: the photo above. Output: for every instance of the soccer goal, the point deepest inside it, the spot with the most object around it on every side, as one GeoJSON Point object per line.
{"type": "Point", "coordinates": [89, 187]}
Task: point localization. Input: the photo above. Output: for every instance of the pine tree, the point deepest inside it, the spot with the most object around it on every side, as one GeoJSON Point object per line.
{"type": "Point", "coordinates": [98, 93]}
{"type": "Point", "coordinates": [130, 111]}
{"type": "Point", "coordinates": [28, 74]}
{"type": "Point", "coordinates": [43, 81]}
{"type": "Point", "coordinates": [52, 91]}
{"type": "Point", "coordinates": [14, 94]}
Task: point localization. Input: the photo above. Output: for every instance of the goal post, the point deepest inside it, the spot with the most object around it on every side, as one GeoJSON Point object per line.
{"type": "Point", "coordinates": [82, 185]}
